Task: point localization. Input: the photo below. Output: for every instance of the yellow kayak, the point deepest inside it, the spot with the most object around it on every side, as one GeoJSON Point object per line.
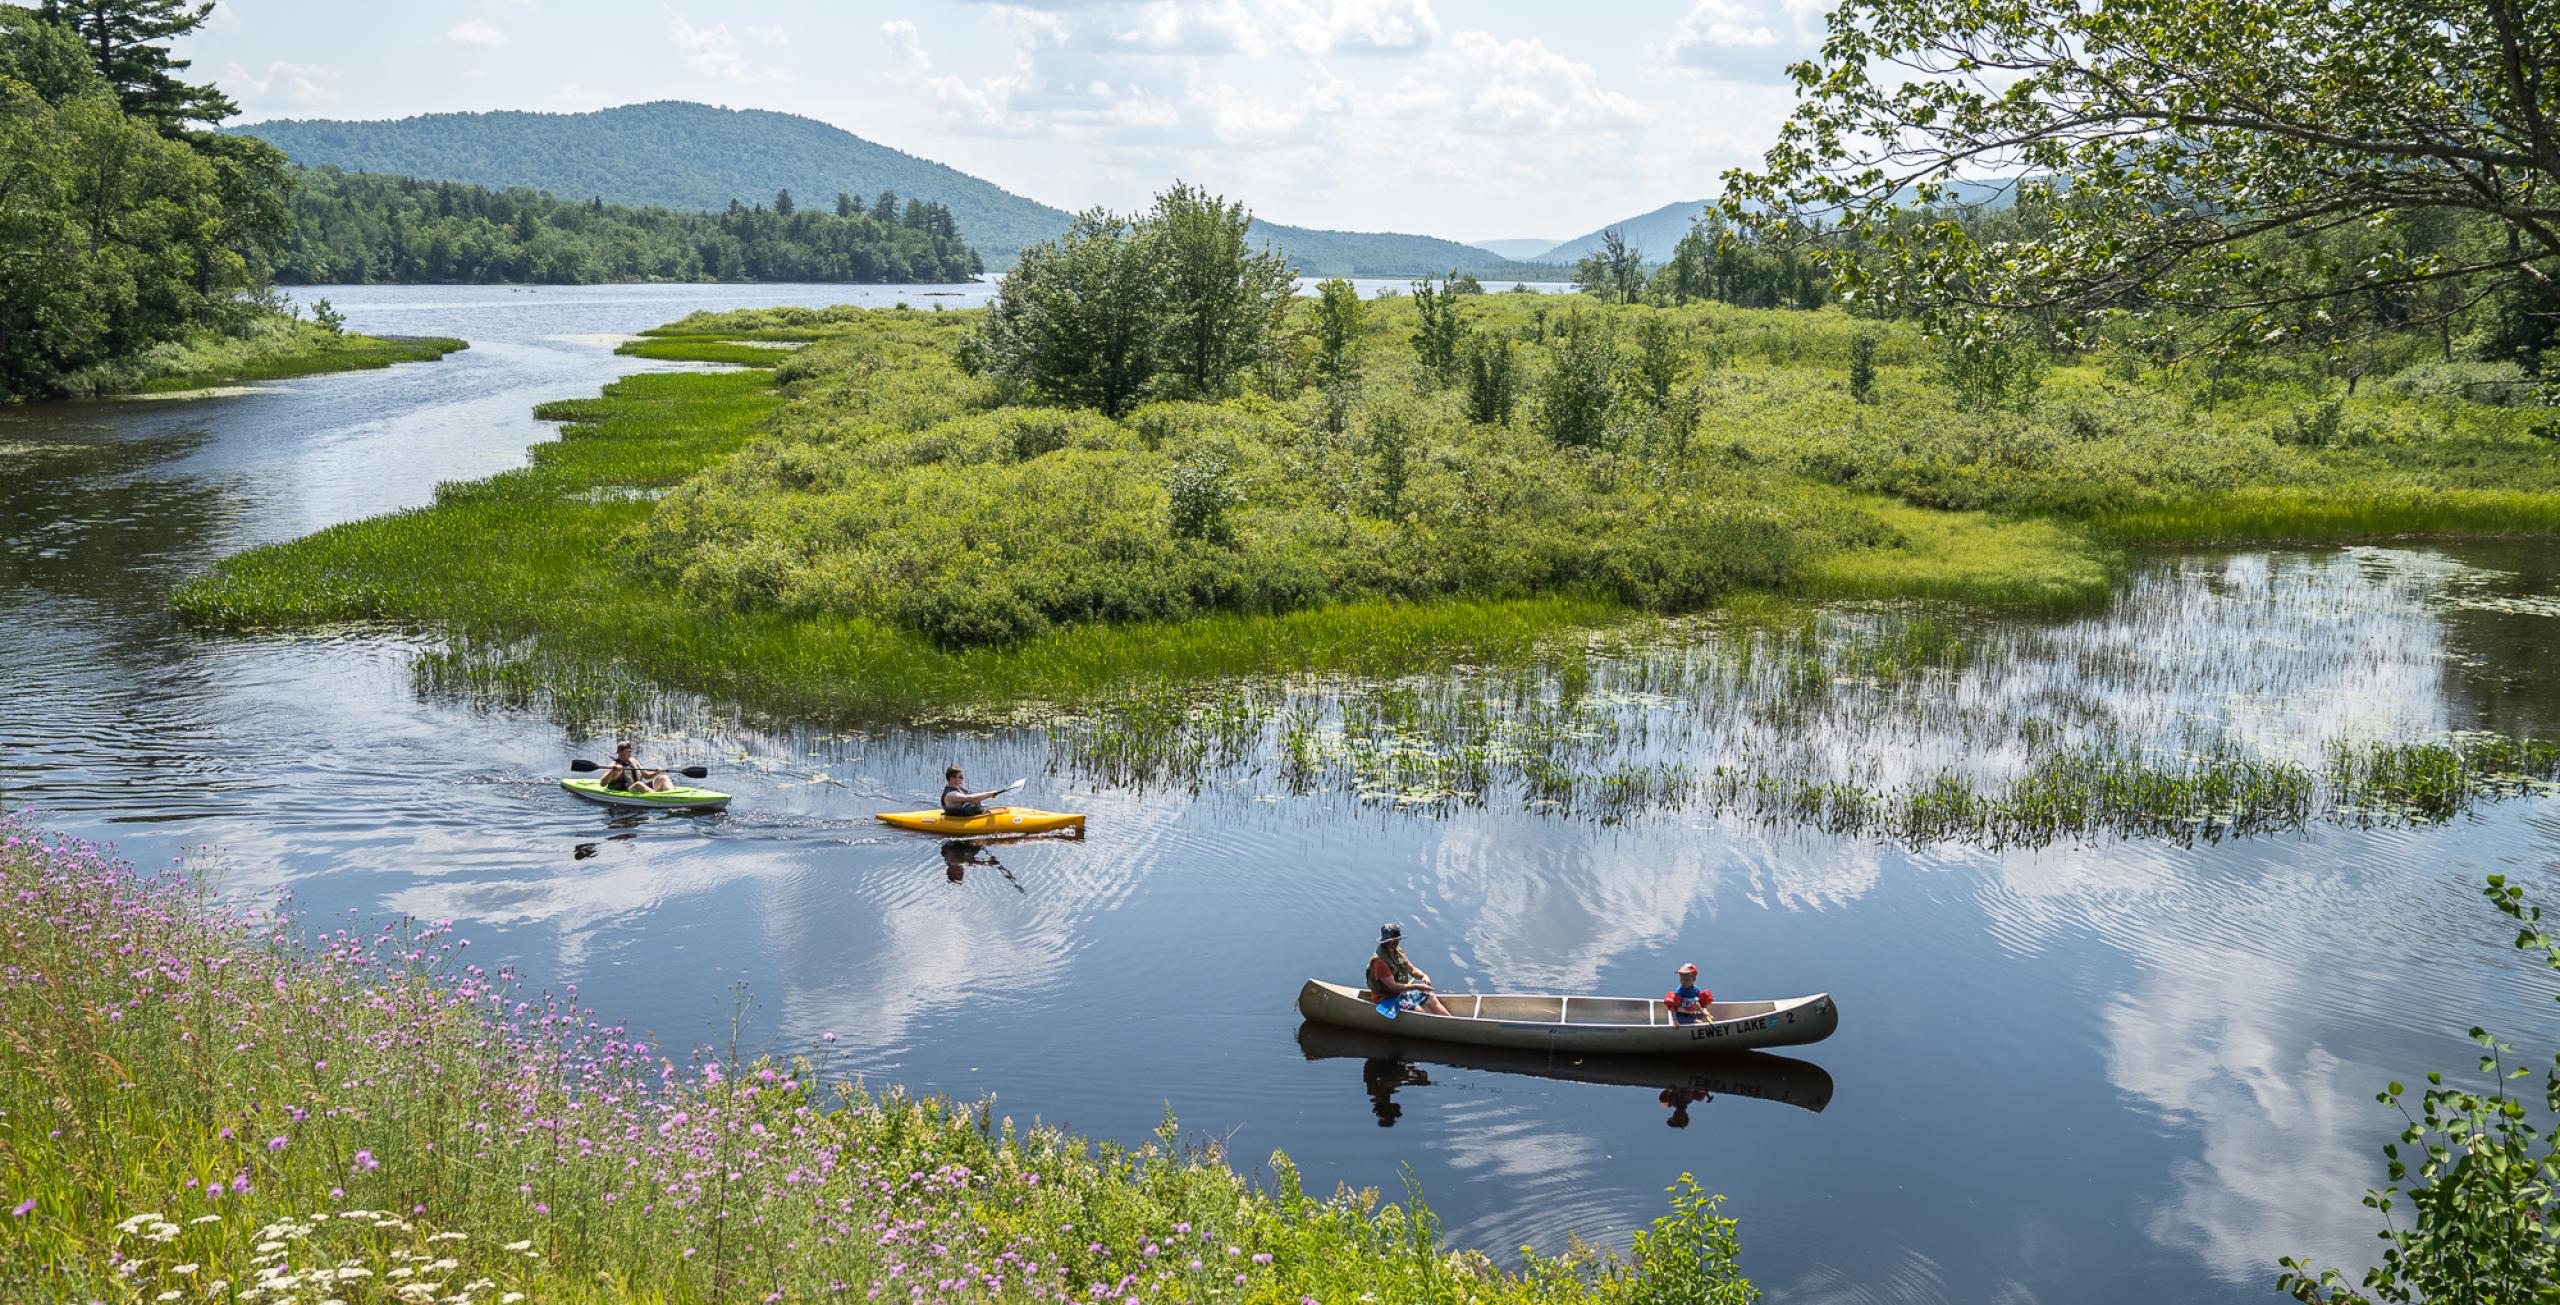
{"type": "Point", "coordinates": [1000, 820]}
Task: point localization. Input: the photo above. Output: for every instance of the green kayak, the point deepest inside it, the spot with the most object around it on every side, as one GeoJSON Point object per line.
{"type": "Point", "coordinates": [674, 799]}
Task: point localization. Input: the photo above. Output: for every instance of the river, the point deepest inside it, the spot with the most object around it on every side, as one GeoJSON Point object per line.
{"type": "Point", "coordinates": [2116, 1070]}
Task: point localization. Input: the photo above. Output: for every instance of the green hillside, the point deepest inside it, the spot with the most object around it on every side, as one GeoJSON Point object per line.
{"type": "Point", "coordinates": [680, 155]}
{"type": "Point", "coordinates": [665, 154]}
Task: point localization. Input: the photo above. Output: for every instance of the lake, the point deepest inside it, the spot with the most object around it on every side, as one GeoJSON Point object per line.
{"type": "Point", "coordinates": [2105, 1069]}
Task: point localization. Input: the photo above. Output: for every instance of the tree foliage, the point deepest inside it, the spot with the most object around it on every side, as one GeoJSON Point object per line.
{"type": "Point", "coordinates": [1438, 329]}
{"type": "Point", "coordinates": [1338, 314]}
{"type": "Point", "coordinates": [1224, 297]}
{"type": "Point", "coordinates": [1118, 303]}
{"type": "Point", "coordinates": [354, 228]}
{"type": "Point", "coordinates": [2174, 159]}
{"type": "Point", "coordinates": [128, 43]}
{"type": "Point", "coordinates": [1614, 271]}
{"type": "Point", "coordinates": [1080, 318]}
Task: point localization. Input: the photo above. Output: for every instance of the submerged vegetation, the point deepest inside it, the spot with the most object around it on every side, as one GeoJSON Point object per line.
{"type": "Point", "coordinates": [203, 1104]}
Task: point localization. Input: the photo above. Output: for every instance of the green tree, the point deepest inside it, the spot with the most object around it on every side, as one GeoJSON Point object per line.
{"type": "Point", "coordinates": [1223, 299]}
{"type": "Point", "coordinates": [782, 203]}
{"type": "Point", "coordinates": [1080, 318]}
{"type": "Point", "coordinates": [1614, 271]}
{"type": "Point", "coordinates": [2179, 151]}
{"type": "Point", "coordinates": [1691, 272]}
{"type": "Point", "coordinates": [1438, 328]}
{"type": "Point", "coordinates": [1338, 312]}
{"type": "Point", "coordinates": [128, 41]}
{"type": "Point", "coordinates": [45, 55]}
{"type": "Point", "coordinates": [1862, 366]}
{"type": "Point", "coordinates": [1658, 359]}
{"type": "Point", "coordinates": [1575, 395]}
{"type": "Point", "coordinates": [1493, 380]}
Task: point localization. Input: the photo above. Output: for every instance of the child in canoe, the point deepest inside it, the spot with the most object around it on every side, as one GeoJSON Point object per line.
{"type": "Point", "coordinates": [1688, 1002]}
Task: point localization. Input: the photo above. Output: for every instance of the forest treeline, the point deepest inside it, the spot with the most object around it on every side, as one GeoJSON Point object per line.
{"type": "Point", "coordinates": [361, 228]}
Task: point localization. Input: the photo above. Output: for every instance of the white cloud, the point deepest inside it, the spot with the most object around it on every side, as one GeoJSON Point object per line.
{"type": "Point", "coordinates": [907, 46]}
{"type": "Point", "coordinates": [283, 85]}
{"type": "Point", "coordinates": [715, 52]}
{"type": "Point", "coordinates": [1358, 26]}
{"type": "Point", "coordinates": [476, 32]}
{"type": "Point", "coordinates": [1749, 40]}
{"type": "Point", "coordinates": [1523, 86]}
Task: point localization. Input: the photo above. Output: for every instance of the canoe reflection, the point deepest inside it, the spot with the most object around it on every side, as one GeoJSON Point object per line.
{"type": "Point", "coordinates": [1389, 1064]}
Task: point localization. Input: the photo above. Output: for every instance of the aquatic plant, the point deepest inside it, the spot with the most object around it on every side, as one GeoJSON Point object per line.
{"type": "Point", "coordinates": [201, 1101]}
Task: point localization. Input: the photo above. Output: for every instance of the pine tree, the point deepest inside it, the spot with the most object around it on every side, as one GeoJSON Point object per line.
{"type": "Point", "coordinates": [128, 40]}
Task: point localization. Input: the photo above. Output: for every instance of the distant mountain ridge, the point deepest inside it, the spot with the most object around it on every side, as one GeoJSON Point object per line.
{"type": "Point", "coordinates": [677, 154]}
{"type": "Point", "coordinates": [1654, 233]}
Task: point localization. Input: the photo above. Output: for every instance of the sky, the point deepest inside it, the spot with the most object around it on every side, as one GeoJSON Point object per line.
{"type": "Point", "coordinates": [1475, 120]}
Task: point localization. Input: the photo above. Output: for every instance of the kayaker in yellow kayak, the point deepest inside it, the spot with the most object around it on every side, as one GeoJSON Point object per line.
{"type": "Point", "coordinates": [624, 774]}
{"type": "Point", "coordinates": [957, 800]}
{"type": "Point", "coordinates": [1391, 975]}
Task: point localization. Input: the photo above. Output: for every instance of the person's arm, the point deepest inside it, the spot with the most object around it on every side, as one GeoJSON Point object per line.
{"type": "Point", "coordinates": [981, 797]}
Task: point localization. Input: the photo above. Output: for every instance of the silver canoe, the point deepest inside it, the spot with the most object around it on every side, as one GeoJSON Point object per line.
{"type": "Point", "coordinates": [1632, 1026]}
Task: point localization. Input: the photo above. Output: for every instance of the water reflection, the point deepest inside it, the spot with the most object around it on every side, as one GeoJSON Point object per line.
{"type": "Point", "coordinates": [1389, 1064]}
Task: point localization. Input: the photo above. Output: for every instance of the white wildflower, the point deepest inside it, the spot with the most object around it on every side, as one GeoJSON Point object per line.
{"type": "Point", "coordinates": [189, 1267]}
{"type": "Point", "coordinates": [169, 1295]}
{"type": "Point", "coordinates": [206, 1218]}
{"type": "Point", "coordinates": [450, 1237]}
{"type": "Point", "coordinates": [519, 1246]}
{"type": "Point", "coordinates": [511, 1298]}
{"type": "Point", "coordinates": [137, 1221]}
{"type": "Point", "coordinates": [269, 1247]}
{"type": "Point", "coordinates": [447, 1263]}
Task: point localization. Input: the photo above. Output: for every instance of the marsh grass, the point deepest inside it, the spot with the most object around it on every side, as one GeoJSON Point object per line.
{"type": "Point", "coordinates": [275, 350]}
{"type": "Point", "coordinates": [202, 1102]}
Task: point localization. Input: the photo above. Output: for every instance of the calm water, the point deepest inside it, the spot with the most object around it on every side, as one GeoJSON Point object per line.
{"type": "Point", "coordinates": [2118, 1071]}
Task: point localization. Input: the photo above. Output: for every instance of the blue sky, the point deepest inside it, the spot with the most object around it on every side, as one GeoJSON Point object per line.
{"type": "Point", "coordinates": [1468, 120]}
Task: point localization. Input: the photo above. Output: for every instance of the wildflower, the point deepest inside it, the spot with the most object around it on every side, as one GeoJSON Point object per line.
{"type": "Point", "coordinates": [225, 1133]}
{"type": "Point", "coordinates": [275, 1144]}
{"type": "Point", "coordinates": [528, 1245]}
{"type": "Point", "coordinates": [20, 1212]}
{"type": "Point", "coordinates": [365, 1163]}
{"type": "Point", "coordinates": [189, 1267]}
{"type": "Point", "coordinates": [1263, 1257]}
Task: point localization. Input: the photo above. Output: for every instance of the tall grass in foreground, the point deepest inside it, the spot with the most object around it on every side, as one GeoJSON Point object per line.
{"type": "Point", "coordinates": [196, 1105]}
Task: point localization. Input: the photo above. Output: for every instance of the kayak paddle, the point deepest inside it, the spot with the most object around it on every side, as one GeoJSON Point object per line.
{"type": "Point", "coordinates": [689, 772]}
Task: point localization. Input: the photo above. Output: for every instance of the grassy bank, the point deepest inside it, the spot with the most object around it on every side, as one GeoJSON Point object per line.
{"type": "Point", "coordinates": [195, 1102]}
{"type": "Point", "coordinates": [269, 349]}
{"type": "Point", "coordinates": [855, 526]}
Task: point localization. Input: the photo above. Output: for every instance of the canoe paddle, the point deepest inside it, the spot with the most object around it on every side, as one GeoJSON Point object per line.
{"type": "Point", "coordinates": [689, 772]}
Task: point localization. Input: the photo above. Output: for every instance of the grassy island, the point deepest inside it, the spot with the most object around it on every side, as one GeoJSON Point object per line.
{"type": "Point", "coordinates": [857, 524]}
{"type": "Point", "coordinates": [201, 1101]}
{"type": "Point", "coordinates": [270, 349]}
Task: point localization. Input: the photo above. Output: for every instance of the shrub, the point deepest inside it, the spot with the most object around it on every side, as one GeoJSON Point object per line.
{"type": "Point", "coordinates": [1862, 367]}
{"type": "Point", "coordinates": [1575, 394]}
{"type": "Point", "coordinates": [1493, 380]}
{"type": "Point", "coordinates": [1198, 494]}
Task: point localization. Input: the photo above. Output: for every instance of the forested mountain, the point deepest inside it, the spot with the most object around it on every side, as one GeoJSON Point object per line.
{"type": "Point", "coordinates": [684, 156]}
{"type": "Point", "coordinates": [360, 228]}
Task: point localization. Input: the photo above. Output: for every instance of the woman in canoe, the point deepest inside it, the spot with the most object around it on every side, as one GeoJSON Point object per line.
{"type": "Point", "coordinates": [1391, 975]}
{"type": "Point", "coordinates": [625, 775]}
{"type": "Point", "coordinates": [957, 800]}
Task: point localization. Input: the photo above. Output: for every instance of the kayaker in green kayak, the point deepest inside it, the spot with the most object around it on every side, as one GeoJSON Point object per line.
{"type": "Point", "coordinates": [957, 800]}
{"type": "Point", "coordinates": [625, 775]}
{"type": "Point", "coordinates": [1393, 976]}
